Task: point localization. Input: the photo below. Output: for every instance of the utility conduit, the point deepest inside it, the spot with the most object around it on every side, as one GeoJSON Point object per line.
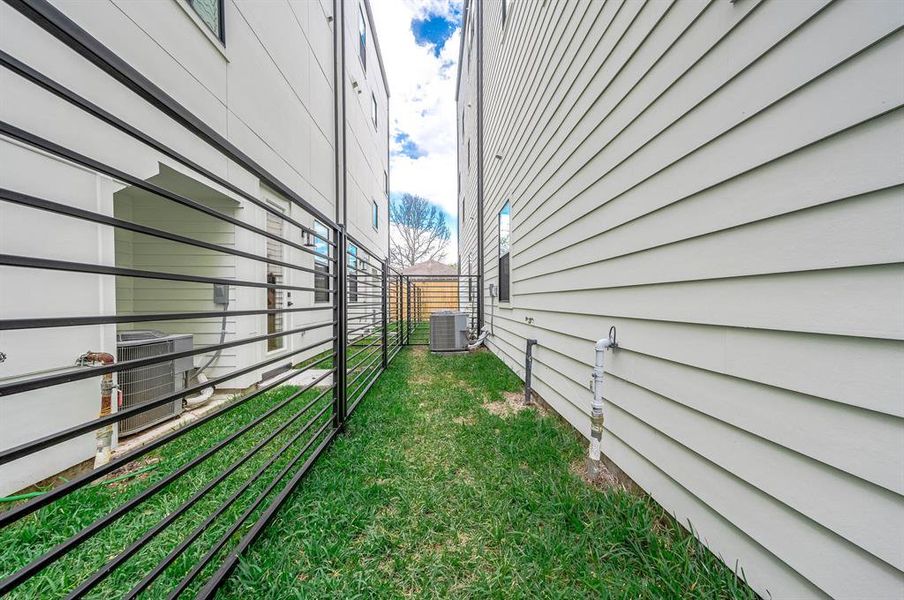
{"type": "Point", "coordinates": [596, 408]}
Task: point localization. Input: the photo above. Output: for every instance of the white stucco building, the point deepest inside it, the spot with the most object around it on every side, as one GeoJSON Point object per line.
{"type": "Point", "coordinates": [296, 87]}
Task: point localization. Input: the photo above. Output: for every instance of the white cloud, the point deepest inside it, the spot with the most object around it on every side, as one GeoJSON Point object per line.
{"type": "Point", "coordinates": [422, 102]}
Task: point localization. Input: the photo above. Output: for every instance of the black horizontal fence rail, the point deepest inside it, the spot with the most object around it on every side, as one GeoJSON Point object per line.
{"type": "Point", "coordinates": [420, 296]}
{"type": "Point", "coordinates": [274, 433]}
{"type": "Point", "coordinates": [327, 317]}
{"type": "Point", "coordinates": [365, 321]}
{"type": "Point", "coordinates": [223, 476]}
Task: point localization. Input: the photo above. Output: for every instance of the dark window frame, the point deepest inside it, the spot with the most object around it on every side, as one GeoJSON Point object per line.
{"type": "Point", "coordinates": [220, 32]}
{"type": "Point", "coordinates": [373, 109]}
{"type": "Point", "coordinates": [362, 37]}
{"type": "Point", "coordinates": [277, 298]}
{"type": "Point", "coordinates": [352, 273]}
{"type": "Point", "coordinates": [505, 253]}
{"type": "Point", "coordinates": [321, 264]}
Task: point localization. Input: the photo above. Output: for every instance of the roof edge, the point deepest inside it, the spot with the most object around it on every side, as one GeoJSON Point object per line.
{"type": "Point", "coordinates": [373, 29]}
{"type": "Point", "coordinates": [461, 46]}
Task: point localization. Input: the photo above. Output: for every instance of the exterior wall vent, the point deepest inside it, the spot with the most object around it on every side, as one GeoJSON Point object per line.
{"type": "Point", "coordinates": [142, 385]}
{"type": "Point", "coordinates": [448, 331]}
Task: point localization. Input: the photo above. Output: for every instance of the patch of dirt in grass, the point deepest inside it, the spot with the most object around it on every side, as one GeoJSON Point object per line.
{"type": "Point", "coordinates": [131, 467]}
{"type": "Point", "coordinates": [463, 420]}
{"type": "Point", "coordinates": [512, 403]}
{"type": "Point", "coordinates": [452, 543]}
{"type": "Point", "coordinates": [604, 480]}
{"type": "Point", "coordinates": [464, 385]}
{"type": "Point", "coordinates": [464, 476]}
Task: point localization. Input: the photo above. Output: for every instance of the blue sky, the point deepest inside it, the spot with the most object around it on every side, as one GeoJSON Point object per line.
{"type": "Point", "coordinates": [419, 40]}
{"type": "Point", "coordinates": [434, 30]}
{"type": "Point", "coordinates": [407, 147]}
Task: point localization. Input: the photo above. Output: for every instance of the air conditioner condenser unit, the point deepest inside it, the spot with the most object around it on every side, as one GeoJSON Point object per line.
{"type": "Point", "coordinates": [448, 331]}
{"type": "Point", "coordinates": [142, 385]}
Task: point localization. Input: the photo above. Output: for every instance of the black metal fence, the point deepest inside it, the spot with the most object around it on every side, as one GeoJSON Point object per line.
{"type": "Point", "coordinates": [320, 318]}
{"type": "Point", "coordinates": [420, 296]}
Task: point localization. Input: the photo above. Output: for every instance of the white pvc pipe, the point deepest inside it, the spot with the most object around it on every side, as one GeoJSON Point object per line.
{"type": "Point", "coordinates": [596, 407]}
{"type": "Point", "coordinates": [202, 398]}
{"type": "Point", "coordinates": [479, 341]}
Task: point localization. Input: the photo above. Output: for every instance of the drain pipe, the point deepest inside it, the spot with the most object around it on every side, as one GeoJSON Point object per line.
{"type": "Point", "coordinates": [104, 434]}
{"type": "Point", "coordinates": [596, 409]}
{"type": "Point", "coordinates": [528, 363]}
{"type": "Point", "coordinates": [220, 296]}
{"type": "Point", "coordinates": [479, 341]}
{"type": "Point", "coordinates": [202, 398]}
{"type": "Point", "coordinates": [492, 308]}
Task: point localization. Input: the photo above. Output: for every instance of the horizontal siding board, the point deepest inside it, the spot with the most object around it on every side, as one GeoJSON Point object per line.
{"type": "Point", "coordinates": [589, 107]}
{"type": "Point", "coordinates": [820, 366]}
{"type": "Point", "coordinates": [722, 181]}
{"type": "Point", "coordinates": [865, 444]}
{"type": "Point", "coordinates": [582, 29]}
{"type": "Point", "coordinates": [605, 54]}
{"type": "Point", "coordinates": [814, 302]}
{"type": "Point", "coordinates": [745, 108]}
{"type": "Point", "coordinates": [861, 231]}
{"type": "Point", "coordinates": [762, 517]}
{"type": "Point", "coordinates": [853, 163]}
{"type": "Point", "coordinates": [756, 564]}
{"type": "Point", "coordinates": [694, 155]}
{"type": "Point", "coordinates": [679, 85]}
{"type": "Point", "coordinates": [822, 494]}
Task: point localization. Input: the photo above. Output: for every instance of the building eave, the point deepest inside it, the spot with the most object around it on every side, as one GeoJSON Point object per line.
{"type": "Point", "coordinates": [461, 46]}
{"type": "Point", "coordinates": [373, 30]}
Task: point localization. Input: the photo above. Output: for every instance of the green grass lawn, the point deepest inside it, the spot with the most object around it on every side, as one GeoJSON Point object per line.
{"type": "Point", "coordinates": [430, 494]}
{"type": "Point", "coordinates": [436, 489]}
{"type": "Point", "coordinates": [37, 533]}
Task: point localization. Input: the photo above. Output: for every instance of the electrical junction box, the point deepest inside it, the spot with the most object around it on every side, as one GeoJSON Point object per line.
{"type": "Point", "coordinates": [220, 294]}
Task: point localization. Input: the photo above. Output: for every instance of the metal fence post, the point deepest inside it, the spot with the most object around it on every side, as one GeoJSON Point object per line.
{"type": "Point", "coordinates": [340, 312]}
{"type": "Point", "coordinates": [408, 311]}
{"type": "Point", "coordinates": [400, 314]}
{"type": "Point", "coordinates": [385, 288]}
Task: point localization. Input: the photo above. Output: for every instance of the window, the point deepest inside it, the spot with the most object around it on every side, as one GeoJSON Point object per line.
{"type": "Point", "coordinates": [352, 273]}
{"type": "Point", "coordinates": [275, 276]}
{"type": "Point", "coordinates": [375, 215]}
{"type": "Point", "coordinates": [386, 182]}
{"type": "Point", "coordinates": [211, 14]}
{"type": "Point", "coordinates": [362, 38]}
{"type": "Point", "coordinates": [505, 275]}
{"type": "Point", "coordinates": [469, 154]}
{"type": "Point", "coordinates": [504, 11]}
{"type": "Point", "coordinates": [373, 109]}
{"type": "Point", "coordinates": [321, 263]}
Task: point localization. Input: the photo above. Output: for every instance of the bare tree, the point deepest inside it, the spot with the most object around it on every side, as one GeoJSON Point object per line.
{"type": "Point", "coordinates": [419, 231]}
